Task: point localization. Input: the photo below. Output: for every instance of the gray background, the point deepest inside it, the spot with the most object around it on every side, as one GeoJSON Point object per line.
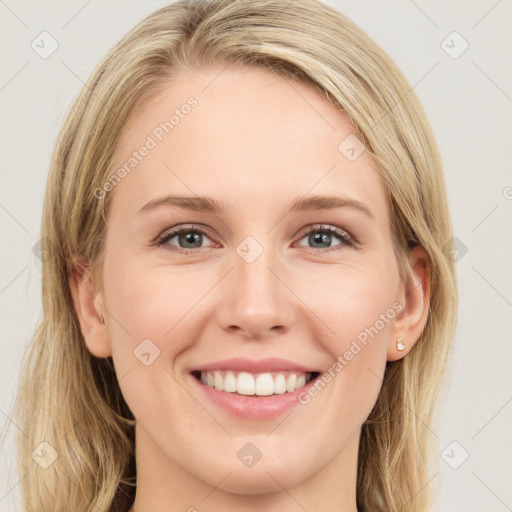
{"type": "Point", "coordinates": [468, 100]}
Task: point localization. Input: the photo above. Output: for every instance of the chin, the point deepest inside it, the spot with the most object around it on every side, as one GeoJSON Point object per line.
{"type": "Point", "coordinates": [262, 478]}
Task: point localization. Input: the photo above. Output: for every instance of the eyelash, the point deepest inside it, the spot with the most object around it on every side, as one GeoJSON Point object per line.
{"type": "Point", "coordinates": [346, 238]}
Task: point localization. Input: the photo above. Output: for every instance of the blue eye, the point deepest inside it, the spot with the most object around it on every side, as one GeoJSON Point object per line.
{"type": "Point", "coordinates": [324, 233]}
{"type": "Point", "coordinates": [190, 238]}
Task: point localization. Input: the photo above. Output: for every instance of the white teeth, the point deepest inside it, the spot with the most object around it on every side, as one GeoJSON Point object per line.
{"type": "Point", "coordinates": [280, 384]}
{"type": "Point", "coordinates": [229, 382]}
{"type": "Point", "coordinates": [290, 382]}
{"type": "Point", "coordinates": [245, 384]}
{"type": "Point", "coordinates": [301, 381]}
{"type": "Point", "coordinates": [263, 384]}
{"type": "Point", "coordinates": [218, 381]}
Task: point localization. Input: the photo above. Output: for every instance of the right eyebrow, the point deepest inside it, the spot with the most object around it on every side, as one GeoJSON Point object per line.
{"type": "Point", "coordinates": [207, 204]}
{"type": "Point", "coordinates": [198, 204]}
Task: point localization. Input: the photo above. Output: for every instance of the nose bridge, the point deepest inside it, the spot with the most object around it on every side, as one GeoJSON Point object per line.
{"type": "Point", "coordinates": [256, 284]}
{"type": "Point", "coordinates": [257, 299]}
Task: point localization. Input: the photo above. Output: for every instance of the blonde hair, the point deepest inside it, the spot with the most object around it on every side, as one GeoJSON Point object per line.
{"type": "Point", "coordinates": [72, 400]}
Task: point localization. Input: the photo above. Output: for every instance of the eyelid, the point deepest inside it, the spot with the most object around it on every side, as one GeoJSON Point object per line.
{"type": "Point", "coordinates": [175, 230]}
{"type": "Point", "coordinates": [348, 240]}
{"type": "Point", "coordinates": [332, 229]}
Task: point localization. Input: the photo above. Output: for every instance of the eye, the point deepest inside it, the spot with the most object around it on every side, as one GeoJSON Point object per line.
{"type": "Point", "coordinates": [322, 234]}
{"type": "Point", "coordinates": [189, 238]}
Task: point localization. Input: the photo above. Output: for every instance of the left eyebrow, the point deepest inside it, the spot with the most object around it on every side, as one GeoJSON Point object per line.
{"type": "Point", "coordinates": [312, 203]}
{"type": "Point", "coordinates": [207, 204]}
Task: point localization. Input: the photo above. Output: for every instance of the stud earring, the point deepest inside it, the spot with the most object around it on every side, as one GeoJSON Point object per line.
{"type": "Point", "coordinates": [400, 344]}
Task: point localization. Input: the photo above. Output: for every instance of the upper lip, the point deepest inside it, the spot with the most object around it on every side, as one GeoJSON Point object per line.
{"type": "Point", "coordinates": [242, 364]}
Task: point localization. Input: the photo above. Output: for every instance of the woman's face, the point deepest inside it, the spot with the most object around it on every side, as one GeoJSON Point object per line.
{"type": "Point", "coordinates": [254, 280]}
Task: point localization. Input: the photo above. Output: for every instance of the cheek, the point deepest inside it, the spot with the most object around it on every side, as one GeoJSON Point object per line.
{"type": "Point", "coordinates": [352, 299]}
{"type": "Point", "coordinates": [338, 306]}
{"type": "Point", "coordinates": [150, 301]}
{"type": "Point", "coordinates": [149, 318]}
{"type": "Point", "coordinates": [345, 302]}
{"type": "Point", "coordinates": [357, 310]}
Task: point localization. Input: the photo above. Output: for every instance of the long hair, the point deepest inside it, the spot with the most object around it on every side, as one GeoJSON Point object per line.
{"type": "Point", "coordinates": [71, 400]}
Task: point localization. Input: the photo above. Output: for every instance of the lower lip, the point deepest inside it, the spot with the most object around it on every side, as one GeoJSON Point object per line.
{"type": "Point", "coordinates": [252, 407]}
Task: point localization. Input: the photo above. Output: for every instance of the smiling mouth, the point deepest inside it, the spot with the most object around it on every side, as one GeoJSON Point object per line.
{"type": "Point", "coordinates": [249, 384]}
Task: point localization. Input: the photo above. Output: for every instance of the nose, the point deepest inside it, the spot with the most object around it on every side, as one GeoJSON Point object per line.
{"type": "Point", "coordinates": [255, 302]}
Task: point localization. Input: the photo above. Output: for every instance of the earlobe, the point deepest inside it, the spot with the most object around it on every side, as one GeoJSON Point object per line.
{"type": "Point", "coordinates": [88, 302]}
{"type": "Point", "coordinates": [415, 297]}
{"type": "Point", "coordinates": [400, 344]}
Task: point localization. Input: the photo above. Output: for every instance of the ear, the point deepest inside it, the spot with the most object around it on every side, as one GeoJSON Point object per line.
{"type": "Point", "coordinates": [88, 302]}
{"type": "Point", "coordinates": [414, 295]}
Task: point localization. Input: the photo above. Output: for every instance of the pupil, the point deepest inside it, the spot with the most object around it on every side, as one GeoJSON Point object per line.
{"type": "Point", "coordinates": [320, 238]}
{"type": "Point", "coordinates": [191, 237]}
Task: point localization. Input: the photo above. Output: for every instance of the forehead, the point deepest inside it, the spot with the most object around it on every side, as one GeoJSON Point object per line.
{"type": "Point", "coordinates": [264, 138]}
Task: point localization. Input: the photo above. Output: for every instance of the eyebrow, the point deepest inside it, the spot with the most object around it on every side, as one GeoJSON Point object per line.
{"type": "Point", "coordinates": [207, 204]}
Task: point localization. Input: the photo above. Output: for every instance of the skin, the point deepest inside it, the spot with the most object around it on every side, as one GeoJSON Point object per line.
{"type": "Point", "coordinates": [254, 143]}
